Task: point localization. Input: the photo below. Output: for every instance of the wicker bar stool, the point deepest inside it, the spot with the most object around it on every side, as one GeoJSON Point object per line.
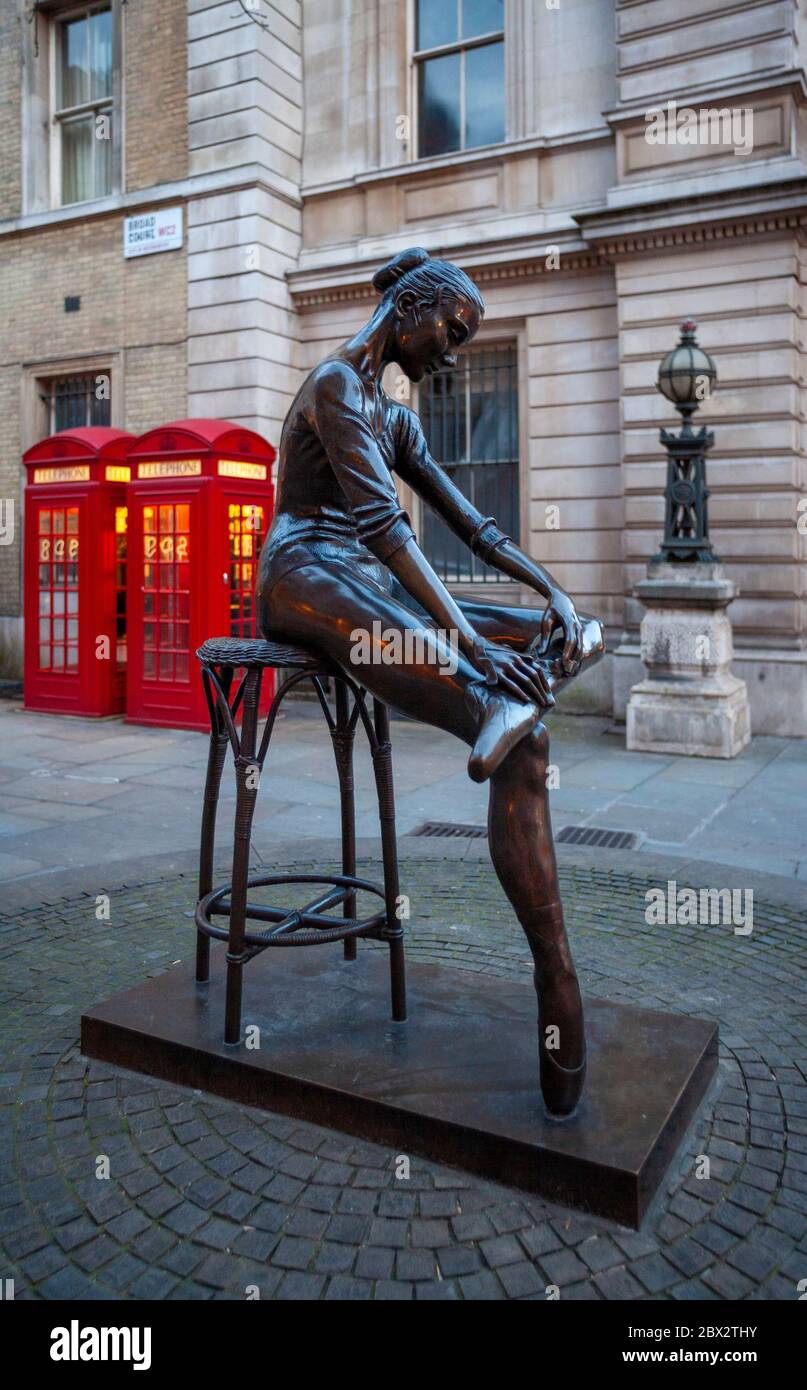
{"type": "Point", "coordinates": [221, 658]}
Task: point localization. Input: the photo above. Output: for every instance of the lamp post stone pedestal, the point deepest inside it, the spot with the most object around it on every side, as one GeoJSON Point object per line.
{"type": "Point", "coordinates": [689, 701]}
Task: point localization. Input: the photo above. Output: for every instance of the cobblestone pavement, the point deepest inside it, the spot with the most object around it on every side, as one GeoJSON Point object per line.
{"type": "Point", "coordinates": [206, 1198]}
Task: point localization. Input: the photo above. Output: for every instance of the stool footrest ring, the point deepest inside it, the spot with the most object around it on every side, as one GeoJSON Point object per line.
{"type": "Point", "coordinates": [303, 926]}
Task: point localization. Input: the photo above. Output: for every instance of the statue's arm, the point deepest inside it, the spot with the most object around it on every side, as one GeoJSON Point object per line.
{"type": "Point", "coordinates": [415, 465]}
{"type": "Point", "coordinates": [481, 534]}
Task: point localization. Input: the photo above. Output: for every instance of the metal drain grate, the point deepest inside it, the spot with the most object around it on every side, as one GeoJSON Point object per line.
{"type": "Point", "coordinates": [569, 835]}
{"type": "Point", "coordinates": [591, 835]}
{"type": "Point", "coordinates": [450, 830]}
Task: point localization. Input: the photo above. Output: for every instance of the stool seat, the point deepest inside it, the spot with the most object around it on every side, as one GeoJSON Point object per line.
{"type": "Point", "coordinates": [254, 652]}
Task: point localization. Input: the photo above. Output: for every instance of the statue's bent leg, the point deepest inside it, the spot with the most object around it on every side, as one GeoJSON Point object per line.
{"type": "Point", "coordinates": [330, 606]}
{"type": "Point", "coordinates": [518, 627]}
{"type": "Point", "coordinates": [520, 837]}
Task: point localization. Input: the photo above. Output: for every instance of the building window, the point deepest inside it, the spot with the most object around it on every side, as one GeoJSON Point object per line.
{"type": "Point", "coordinates": [470, 419]}
{"type": "Point", "coordinates": [459, 58]}
{"type": "Point", "coordinates": [83, 104]}
{"type": "Point", "coordinates": [73, 402]}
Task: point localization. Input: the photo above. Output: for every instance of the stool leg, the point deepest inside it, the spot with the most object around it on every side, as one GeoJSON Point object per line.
{"type": "Point", "coordinates": [343, 736]}
{"type": "Point", "coordinates": [393, 931]}
{"type": "Point", "coordinates": [215, 763]}
{"type": "Point", "coordinates": [246, 796]}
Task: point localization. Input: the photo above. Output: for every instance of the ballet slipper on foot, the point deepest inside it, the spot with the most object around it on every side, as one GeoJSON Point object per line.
{"type": "Point", "coordinates": [505, 722]}
{"type": "Point", "coordinates": [561, 1087]}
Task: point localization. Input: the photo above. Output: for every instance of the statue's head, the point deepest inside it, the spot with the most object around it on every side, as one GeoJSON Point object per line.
{"type": "Point", "coordinates": [435, 309]}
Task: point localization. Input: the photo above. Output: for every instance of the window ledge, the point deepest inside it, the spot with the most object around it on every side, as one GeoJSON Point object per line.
{"type": "Point", "coordinates": [196, 186]}
{"type": "Point", "coordinates": [414, 168]}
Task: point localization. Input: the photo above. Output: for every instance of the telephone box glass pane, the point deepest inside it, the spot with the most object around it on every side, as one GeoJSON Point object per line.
{"type": "Point", "coordinates": [58, 539]}
{"type": "Point", "coordinates": [165, 643]}
{"type": "Point", "coordinates": [246, 528]}
{"type": "Point", "coordinates": [121, 525]}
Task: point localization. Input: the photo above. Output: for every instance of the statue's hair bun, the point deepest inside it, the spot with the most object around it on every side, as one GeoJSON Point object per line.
{"type": "Point", "coordinates": [390, 273]}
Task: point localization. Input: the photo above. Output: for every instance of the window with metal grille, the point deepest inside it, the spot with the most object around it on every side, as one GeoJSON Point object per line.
{"type": "Point", "coordinates": [470, 418]}
{"type": "Point", "coordinates": [459, 63]}
{"type": "Point", "coordinates": [75, 401]}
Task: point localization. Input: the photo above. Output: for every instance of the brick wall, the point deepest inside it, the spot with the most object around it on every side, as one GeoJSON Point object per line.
{"type": "Point", "coordinates": [134, 311]}
{"type": "Point", "coordinates": [156, 116]}
{"type": "Point", "coordinates": [10, 470]}
{"type": "Point", "coordinates": [10, 114]}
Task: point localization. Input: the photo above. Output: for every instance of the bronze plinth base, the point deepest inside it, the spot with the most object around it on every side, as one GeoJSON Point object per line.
{"type": "Point", "coordinates": [457, 1083]}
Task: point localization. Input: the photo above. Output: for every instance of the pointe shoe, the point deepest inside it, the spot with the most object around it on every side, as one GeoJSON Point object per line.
{"type": "Point", "coordinates": [561, 1086]}
{"type": "Point", "coordinates": [505, 722]}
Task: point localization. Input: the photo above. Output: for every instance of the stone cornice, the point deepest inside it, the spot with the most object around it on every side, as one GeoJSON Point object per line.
{"type": "Point", "coordinates": [628, 243]}
{"type": "Point", "coordinates": [350, 281]}
{"type": "Point", "coordinates": [603, 237]}
{"type": "Point", "coordinates": [690, 221]}
{"type": "Point", "coordinates": [712, 94]}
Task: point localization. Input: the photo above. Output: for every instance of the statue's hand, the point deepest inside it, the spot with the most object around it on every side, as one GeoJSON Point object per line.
{"type": "Point", "coordinates": [561, 612]}
{"type": "Point", "coordinates": [520, 676]}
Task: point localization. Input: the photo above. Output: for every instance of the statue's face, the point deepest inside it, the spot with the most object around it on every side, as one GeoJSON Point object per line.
{"type": "Point", "coordinates": [427, 338]}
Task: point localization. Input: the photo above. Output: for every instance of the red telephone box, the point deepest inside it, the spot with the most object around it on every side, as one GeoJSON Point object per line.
{"type": "Point", "coordinates": [75, 572]}
{"type": "Point", "coordinates": [200, 503]}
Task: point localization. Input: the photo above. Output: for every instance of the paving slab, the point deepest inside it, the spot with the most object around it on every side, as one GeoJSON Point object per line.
{"type": "Point", "coordinates": [752, 810]}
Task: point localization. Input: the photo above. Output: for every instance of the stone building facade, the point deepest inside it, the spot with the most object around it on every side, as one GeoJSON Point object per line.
{"type": "Point", "coordinates": [648, 164]}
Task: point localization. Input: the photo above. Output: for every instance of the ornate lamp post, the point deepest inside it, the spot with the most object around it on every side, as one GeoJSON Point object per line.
{"type": "Point", "coordinates": [689, 701]}
{"type": "Point", "coordinates": [686, 377]}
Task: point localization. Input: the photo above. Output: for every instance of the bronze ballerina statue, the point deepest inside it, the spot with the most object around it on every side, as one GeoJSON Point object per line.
{"type": "Point", "coordinates": [341, 555]}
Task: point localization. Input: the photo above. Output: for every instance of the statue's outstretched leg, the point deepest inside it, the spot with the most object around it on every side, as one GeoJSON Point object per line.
{"type": "Point", "coordinates": [523, 853]}
{"type": "Point", "coordinates": [520, 837]}
{"type": "Point", "coordinates": [324, 605]}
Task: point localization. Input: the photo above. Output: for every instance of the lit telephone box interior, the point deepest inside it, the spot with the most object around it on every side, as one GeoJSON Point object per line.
{"type": "Point", "coordinates": [200, 503]}
{"type": "Point", "coordinates": [75, 563]}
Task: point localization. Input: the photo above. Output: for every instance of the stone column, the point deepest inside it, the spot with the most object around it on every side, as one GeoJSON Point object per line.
{"type": "Point", "coordinates": [244, 225]}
